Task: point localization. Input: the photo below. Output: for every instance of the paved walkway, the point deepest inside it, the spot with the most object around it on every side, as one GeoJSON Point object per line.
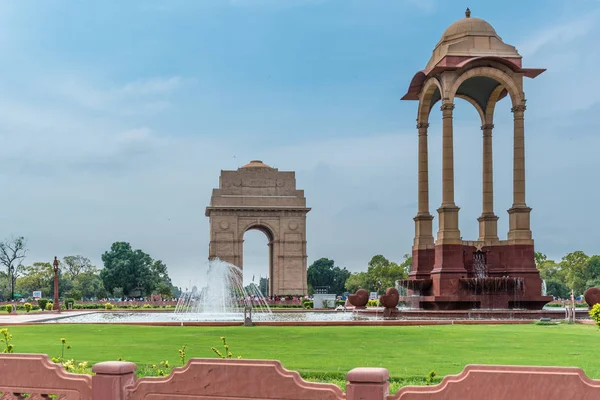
{"type": "Point", "coordinates": [37, 317]}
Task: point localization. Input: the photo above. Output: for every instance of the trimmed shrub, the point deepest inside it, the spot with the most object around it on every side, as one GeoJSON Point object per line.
{"type": "Point", "coordinates": [27, 307]}
{"type": "Point", "coordinates": [108, 306]}
{"type": "Point", "coordinates": [147, 306]}
{"type": "Point", "coordinates": [373, 303]}
{"type": "Point", "coordinates": [49, 306]}
{"type": "Point", "coordinates": [42, 303]}
{"type": "Point", "coordinates": [8, 308]}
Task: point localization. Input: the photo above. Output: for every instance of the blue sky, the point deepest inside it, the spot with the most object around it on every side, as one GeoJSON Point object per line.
{"type": "Point", "coordinates": [117, 117]}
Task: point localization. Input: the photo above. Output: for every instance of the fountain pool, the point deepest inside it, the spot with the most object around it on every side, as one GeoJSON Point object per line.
{"type": "Point", "coordinates": [174, 318]}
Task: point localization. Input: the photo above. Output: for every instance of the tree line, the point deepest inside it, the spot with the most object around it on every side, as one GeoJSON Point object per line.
{"type": "Point", "coordinates": [381, 274]}
{"type": "Point", "coordinates": [125, 273]}
{"type": "Point", "coordinates": [575, 272]}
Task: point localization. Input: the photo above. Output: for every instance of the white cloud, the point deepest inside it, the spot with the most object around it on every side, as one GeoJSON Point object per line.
{"type": "Point", "coordinates": [152, 86]}
{"type": "Point", "coordinates": [558, 35]}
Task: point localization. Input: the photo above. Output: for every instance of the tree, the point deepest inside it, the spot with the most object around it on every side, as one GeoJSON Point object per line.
{"type": "Point", "coordinates": [75, 265]}
{"type": "Point", "coordinates": [12, 253]}
{"type": "Point", "coordinates": [133, 271]}
{"type": "Point", "coordinates": [557, 289]}
{"type": "Point", "coordinates": [323, 272]}
{"type": "Point", "coordinates": [357, 280]}
{"type": "Point", "coordinates": [406, 264]}
{"type": "Point", "coordinates": [383, 273]}
{"type": "Point", "coordinates": [90, 285]}
{"type": "Point", "coordinates": [38, 276]}
{"type": "Point", "coordinates": [592, 272]}
{"type": "Point", "coordinates": [575, 266]}
{"type": "Point", "coordinates": [263, 285]}
{"type": "Point", "coordinates": [549, 269]}
{"type": "Point", "coordinates": [127, 269]}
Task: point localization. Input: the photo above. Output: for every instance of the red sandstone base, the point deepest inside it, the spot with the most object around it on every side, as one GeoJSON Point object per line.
{"type": "Point", "coordinates": [445, 278]}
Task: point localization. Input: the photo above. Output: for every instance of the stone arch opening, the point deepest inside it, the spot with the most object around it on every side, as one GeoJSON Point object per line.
{"type": "Point", "coordinates": [257, 196]}
{"type": "Point", "coordinates": [257, 256]}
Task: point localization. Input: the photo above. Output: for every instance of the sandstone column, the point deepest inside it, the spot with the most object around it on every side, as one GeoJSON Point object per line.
{"type": "Point", "coordinates": [423, 226]}
{"type": "Point", "coordinates": [448, 232]}
{"type": "Point", "coordinates": [519, 221]}
{"type": "Point", "coordinates": [488, 222]}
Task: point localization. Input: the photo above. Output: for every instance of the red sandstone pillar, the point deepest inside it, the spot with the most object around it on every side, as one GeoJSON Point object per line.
{"type": "Point", "coordinates": [367, 384]}
{"type": "Point", "coordinates": [423, 245]}
{"type": "Point", "coordinates": [111, 379]}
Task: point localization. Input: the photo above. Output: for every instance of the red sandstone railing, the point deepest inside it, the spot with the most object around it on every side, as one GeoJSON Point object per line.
{"type": "Point", "coordinates": [35, 376]}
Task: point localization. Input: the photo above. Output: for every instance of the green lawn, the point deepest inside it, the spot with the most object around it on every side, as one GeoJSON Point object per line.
{"type": "Point", "coordinates": [407, 352]}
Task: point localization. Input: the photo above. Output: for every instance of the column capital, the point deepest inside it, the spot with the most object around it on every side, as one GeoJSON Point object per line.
{"type": "Point", "coordinates": [422, 125]}
{"type": "Point", "coordinates": [487, 127]}
{"type": "Point", "coordinates": [447, 106]}
{"type": "Point", "coordinates": [518, 108]}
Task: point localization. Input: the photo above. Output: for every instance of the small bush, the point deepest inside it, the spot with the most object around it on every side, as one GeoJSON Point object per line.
{"type": "Point", "coordinates": [108, 306]}
{"type": "Point", "coordinates": [49, 306]}
{"type": "Point", "coordinates": [373, 303]}
{"type": "Point", "coordinates": [42, 303]}
{"type": "Point", "coordinates": [8, 308]}
{"type": "Point", "coordinates": [27, 306]}
{"type": "Point", "coordinates": [595, 314]}
{"type": "Point", "coordinates": [147, 306]}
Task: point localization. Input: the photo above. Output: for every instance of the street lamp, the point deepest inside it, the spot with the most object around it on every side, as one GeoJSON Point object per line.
{"type": "Point", "coordinates": [56, 304]}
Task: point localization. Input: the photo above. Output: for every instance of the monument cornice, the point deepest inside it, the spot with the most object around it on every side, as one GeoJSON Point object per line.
{"type": "Point", "coordinates": [255, 210]}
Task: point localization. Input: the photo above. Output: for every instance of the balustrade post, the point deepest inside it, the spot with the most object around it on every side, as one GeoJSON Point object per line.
{"type": "Point", "coordinates": [111, 379]}
{"type": "Point", "coordinates": [367, 384]}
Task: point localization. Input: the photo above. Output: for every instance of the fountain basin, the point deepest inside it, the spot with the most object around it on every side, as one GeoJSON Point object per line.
{"type": "Point", "coordinates": [493, 285]}
{"type": "Point", "coordinates": [416, 285]}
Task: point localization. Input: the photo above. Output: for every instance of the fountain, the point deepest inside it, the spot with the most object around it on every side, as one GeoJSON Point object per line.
{"type": "Point", "coordinates": [222, 296]}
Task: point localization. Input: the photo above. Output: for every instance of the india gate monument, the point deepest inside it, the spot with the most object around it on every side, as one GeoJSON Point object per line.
{"type": "Point", "coordinates": [471, 62]}
{"type": "Point", "coordinates": [257, 196]}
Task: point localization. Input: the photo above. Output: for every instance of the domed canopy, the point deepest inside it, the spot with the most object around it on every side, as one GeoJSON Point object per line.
{"type": "Point", "coordinates": [464, 42]}
{"type": "Point", "coordinates": [256, 164]}
{"type": "Point", "coordinates": [469, 26]}
{"type": "Point", "coordinates": [471, 37]}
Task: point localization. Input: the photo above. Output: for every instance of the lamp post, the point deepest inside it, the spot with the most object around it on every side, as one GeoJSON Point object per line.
{"type": "Point", "coordinates": [56, 304]}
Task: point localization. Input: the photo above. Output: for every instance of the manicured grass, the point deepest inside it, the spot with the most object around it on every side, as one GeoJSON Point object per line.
{"type": "Point", "coordinates": [327, 353]}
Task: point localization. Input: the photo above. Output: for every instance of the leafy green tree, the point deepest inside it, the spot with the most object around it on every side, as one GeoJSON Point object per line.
{"type": "Point", "coordinates": [75, 265]}
{"type": "Point", "coordinates": [575, 264]}
{"type": "Point", "coordinates": [133, 271]}
{"type": "Point", "coordinates": [549, 269]}
{"type": "Point", "coordinates": [406, 265]}
{"type": "Point", "coordinates": [165, 291]}
{"type": "Point", "coordinates": [127, 269]}
{"type": "Point", "coordinates": [323, 272]}
{"type": "Point", "coordinates": [90, 285]}
{"type": "Point", "coordinates": [383, 273]}
{"type": "Point", "coordinates": [263, 285]}
{"type": "Point", "coordinates": [39, 276]}
{"type": "Point", "coordinates": [592, 272]}
{"type": "Point", "coordinates": [357, 280]}
{"type": "Point", "coordinates": [558, 289]}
